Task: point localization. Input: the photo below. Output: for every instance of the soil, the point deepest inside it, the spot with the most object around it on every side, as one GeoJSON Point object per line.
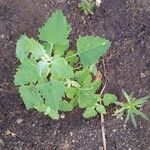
{"type": "Point", "coordinates": [126, 23]}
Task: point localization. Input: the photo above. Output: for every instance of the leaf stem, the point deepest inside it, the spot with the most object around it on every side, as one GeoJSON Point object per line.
{"type": "Point", "coordinates": [72, 55]}
{"type": "Point", "coordinates": [77, 67]}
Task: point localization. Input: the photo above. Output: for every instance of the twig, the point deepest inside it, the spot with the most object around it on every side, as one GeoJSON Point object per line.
{"type": "Point", "coordinates": [102, 116]}
{"type": "Point", "coordinates": [103, 132]}
{"type": "Point", "coordinates": [102, 123]}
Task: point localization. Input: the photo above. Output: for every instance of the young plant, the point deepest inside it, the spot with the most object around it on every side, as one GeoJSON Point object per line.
{"type": "Point", "coordinates": [87, 6]}
{"type": "Point", "coordinates": [131, 107]}
{"type": "Point", "coordinates": [53, 79]}
{"type": "Point", "coordinates": [100, 106]}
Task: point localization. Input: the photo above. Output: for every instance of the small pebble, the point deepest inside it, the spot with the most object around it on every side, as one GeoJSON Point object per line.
{"type": "Point", "coordinates": [33, 125]}
{"type": "Point", "coordinates": [2, 36]}
{"type": "Point", "coordinates": [45, 5]}
{"type": "Point", "coordinates": [73, 141]}
{"type": "Point", "coordinates": [124, 125]}
{"type": "Point", "coordinates": [2, 144]}
{"type": "Point", "coordinates": [19, 121]}
{"type": "Point", "coordinates": [62, 116]}
{"type": "Point", "coordinates": [71, 133]}
{"type": "Point", "coordinates": [100, 148]}
{"type": "Point", "coordinates": [142, 75]}
{"type": "Point", "coordinates": [8, 132]}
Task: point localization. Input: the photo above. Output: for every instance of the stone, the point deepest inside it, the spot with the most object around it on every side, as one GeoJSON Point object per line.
{"type": "Point", "coordinates": [19, 121]}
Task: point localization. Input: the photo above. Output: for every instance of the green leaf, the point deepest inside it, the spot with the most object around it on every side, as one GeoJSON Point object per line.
{"type": "Point", "coordinates": [74, 101]}
{"type": "Point", "coordinates": [87, 6]}
{"type": "Point", "coordinates": [109, 99]}
{"type": "Point", "coordinates": [96, 85]}
{"type": "Point", "coordinates": [70, 92]}
{"type": "Point", "coordinates": [128, 115]}
{"type": "Point", "coordinates": [101, 109]}
{"type": "Point", "coordinates": [75, 84]}
{"type": "Point", "coordinates": [65, 106]}
{"type": "Point", "coordinates": [137, 112]}
{"type": "Point", "coordinates": [41, 107]}
{"type": "Point", "coordinates": [83, 77]}
{"type": "Point", "coordinates": [142, 100]}
{"type": "Point", "coordinates": [61, 68]}
{"type": "Point", "coordinates": [90, 112]}
{"type": "Point", "coordinates": [133, 119]}
{"type": "Point", "coordinates": [91, 48]}
{"type": "Point", "coordinates": [60, 49]}
{"type": "Point", "coordinates": [25, 46]}
{"type": "Point", "coordinates": [71, 57]}
{"type": "Point", "coordinates": [52, 91]}
{"type": "Point", "coordinates": [31, 96]}
{"type": "Point", "coordinates": [118, 111]}
{"type": "Point", "coordinates": [48, 47]}
{"type": "Point", "coordinates": [27, 72]}
{"type": "Point", "coordinates": [128, 97]}
{"type": "Point", "coordinates": [53, 114]}
{"type": "Point", "coordinates": [93, 69]}
{"type": "Point", "coordinates": [87, 98]}
{"type": "Point", "coordinates": [43, 66]}
{"type": "Point", "coordinates": [56, 30]}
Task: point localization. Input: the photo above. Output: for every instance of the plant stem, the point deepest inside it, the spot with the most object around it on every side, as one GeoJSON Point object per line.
{"type": "Point", "coordinates": [72, 55]}
{"type": "Point", "coordinates": [102, 116]}
{"type": "Point", "coordinates": [102, 123]}
{"type": "Point", "coordinates": [77, 67]}
{"type": "Point", "coordinates": [103, 132]}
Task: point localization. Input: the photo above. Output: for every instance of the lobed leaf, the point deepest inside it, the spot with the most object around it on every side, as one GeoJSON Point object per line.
{"type": "Point", "coordinates": [48, 47]}
{"type": "Point", "coordinates": [52, 92]}
{"type": "Point", "coordinates": [65, 106]}
{"type": "Point", "coordinates": [74, 101]}
{"type": "Point", "coordinates": [53, 114]}
{"type": "Point", "coordinates": [87, 98]}
{"type": "Point", "coordinates": [25, 46]}
{"type": "Point", "coordinates": [27, 72]}
{"type": "Point", "coordinates": [42, 107]}
{"type": "Point", "coordinates": [56, 31]}
{"type": "Point", "coordinates": [83, 77]}
{"type": "Point", "coordinates": [61, 68]}
{"type": "Point", "coordinates": [101, 109]}
{"type": "Point", "coordinates": [71, 57]}
{"type": "Point", "coordinates": [30, 95]}
{"type": "Point", "coordinates": [91, 48]}
{"type": "Point", "coordinates": [96, 85]}
{"type": "Point", "coordinates": [70, 92]}
{"type": "Point", "coordinates": [109, 99]}
{"type": "Point", "coordinates": [89, 112]}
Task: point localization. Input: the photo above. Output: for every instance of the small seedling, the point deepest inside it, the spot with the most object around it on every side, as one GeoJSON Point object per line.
{"type": "Point", "coordinates": [100, 106]}
{"type": "Point", "coordinates": [87, 6]}
{"type": "Point", "coordinates": [52, 78]}
{"type": "Point", "coordinates": [131, 107]}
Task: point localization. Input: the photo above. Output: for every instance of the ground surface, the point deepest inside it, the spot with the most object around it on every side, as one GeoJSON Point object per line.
{"type": "Point", "coordinates": [124, 22]}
